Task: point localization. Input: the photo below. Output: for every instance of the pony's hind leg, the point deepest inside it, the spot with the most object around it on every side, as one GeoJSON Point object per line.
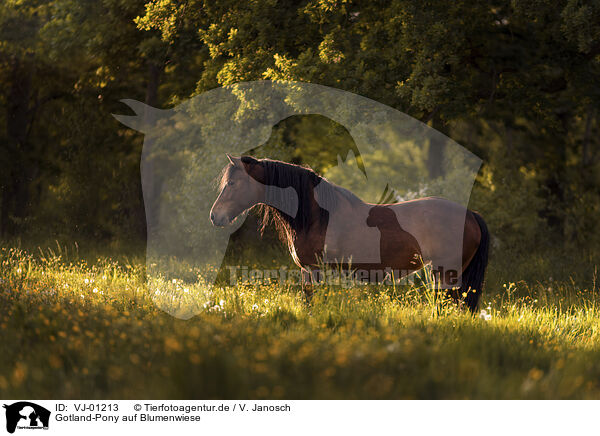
{"type": "Point", "coordinates": [447, 284]}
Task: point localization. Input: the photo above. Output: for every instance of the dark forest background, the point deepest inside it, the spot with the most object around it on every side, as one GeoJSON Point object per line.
{"type": "Point", "coordinates": [516, 82]}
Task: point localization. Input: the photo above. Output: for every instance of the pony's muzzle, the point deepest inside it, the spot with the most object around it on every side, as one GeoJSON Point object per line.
{"type": "Point", "coordinates": [219, 220]}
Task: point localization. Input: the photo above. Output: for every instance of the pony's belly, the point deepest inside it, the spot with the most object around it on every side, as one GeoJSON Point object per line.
{"type": "Point", "coordinates": [360, 247]}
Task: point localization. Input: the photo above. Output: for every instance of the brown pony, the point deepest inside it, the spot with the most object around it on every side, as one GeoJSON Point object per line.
{"type": "Point", "coordinates": [321, 221]}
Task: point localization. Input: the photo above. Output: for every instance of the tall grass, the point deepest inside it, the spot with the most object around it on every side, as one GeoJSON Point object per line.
{"type": "Point", "coordinates": [72, 327]}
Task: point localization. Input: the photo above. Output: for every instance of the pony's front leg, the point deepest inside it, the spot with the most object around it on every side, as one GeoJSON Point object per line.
{"type": "Point", "coordinates": [309, 278]}
{"type": "Point", "coordinates": [307, 286]}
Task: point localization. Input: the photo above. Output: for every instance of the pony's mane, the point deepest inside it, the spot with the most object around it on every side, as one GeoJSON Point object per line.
{"type": "Point", "coordinates": [304, 181]}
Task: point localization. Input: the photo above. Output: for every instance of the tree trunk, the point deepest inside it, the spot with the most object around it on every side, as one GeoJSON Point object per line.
{"type": "Point", "coordinates": [16, 185]}
{"type": "Point", "coordinates": [435, 152]}
{"type": "Point", "coordinates": [151, 186]}
{"type": "Point", "coordinates": [585, 153]}
{"type": "Point", "coordinates": [154, 73]}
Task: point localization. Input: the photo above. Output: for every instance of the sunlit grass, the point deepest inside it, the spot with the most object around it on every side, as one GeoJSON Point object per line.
{"type": "Point", "coordinates": [72, 329]}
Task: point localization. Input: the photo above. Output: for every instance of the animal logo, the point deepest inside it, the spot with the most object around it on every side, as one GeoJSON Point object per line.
{"type": "Point", "coordinates": [184, 155]}
{"type": "Point", "coordinates": [26, 415]}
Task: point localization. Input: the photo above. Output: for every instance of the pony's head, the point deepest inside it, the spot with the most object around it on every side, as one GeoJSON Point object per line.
{"type": "Point", "coordinates": [285, 193]}
{"type": "Point", "coordinates": [241, 187]}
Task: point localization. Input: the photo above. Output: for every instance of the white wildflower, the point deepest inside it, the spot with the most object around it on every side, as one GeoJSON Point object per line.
{"type": "Point", "coordinates": [484, 315]}
{"type": "Point", "coordinates": [392, 347]}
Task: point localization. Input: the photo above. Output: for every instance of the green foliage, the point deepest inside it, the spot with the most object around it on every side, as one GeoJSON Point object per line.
{"type": "Point", "coordinates": [516, 82]}
{"type": "Point", "coordinates": [95, 329]}
{"type": "Point", "coordinates": [512, 219]}
{"type": "Point", "coordinates": [513, 81]}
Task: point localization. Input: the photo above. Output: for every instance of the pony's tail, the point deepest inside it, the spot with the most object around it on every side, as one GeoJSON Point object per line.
{"type": "Point", "coordinates": [473, 275]}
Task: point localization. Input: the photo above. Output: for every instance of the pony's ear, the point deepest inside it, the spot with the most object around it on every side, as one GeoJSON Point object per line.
{"type": "Point", "coordinates": [235, 161]}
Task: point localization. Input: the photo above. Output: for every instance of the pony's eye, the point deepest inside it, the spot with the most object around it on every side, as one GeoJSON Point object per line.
{"type": "Point", "coordinates": [230, 183]}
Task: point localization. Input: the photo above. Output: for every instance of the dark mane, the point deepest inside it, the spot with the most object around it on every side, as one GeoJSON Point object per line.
{"type": "Point", "coordinates": [303, 180]}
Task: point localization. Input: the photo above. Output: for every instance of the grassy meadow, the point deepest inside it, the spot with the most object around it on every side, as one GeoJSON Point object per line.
{"type": "Point", "coordinates": [77, 328]}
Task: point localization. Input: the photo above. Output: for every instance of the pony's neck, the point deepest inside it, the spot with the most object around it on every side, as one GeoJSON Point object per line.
{"type": "Point", "coordinates": [284, 200]}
